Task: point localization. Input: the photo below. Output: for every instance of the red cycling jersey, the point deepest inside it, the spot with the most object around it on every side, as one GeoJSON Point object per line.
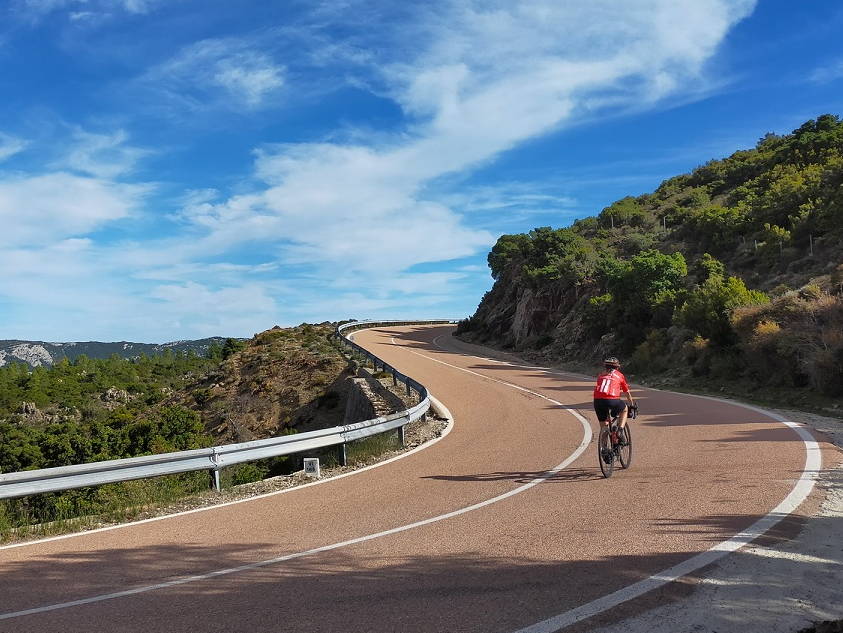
{"type": "Point", "coordinates": [610, 385]}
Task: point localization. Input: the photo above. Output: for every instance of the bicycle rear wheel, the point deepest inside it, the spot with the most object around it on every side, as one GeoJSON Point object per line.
{"type": "Point", "coordinates": [625, 451]}
{"type": "Point", "coordinates": [605, 454]}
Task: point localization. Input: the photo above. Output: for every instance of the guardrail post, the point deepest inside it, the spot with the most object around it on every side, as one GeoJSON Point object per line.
{"type": "Point", "coordinates": [409, 391]}
{"type": "Point", "coordinates": [343, 454]}
{"type": "Point", "coordinates": [394, 378]}
{"type": "Point", "coordinates": [401, 435]}
{"type": "Point", "coordinates": [215, 471]}
{"type": "Point", "coordinates": [215, 479]}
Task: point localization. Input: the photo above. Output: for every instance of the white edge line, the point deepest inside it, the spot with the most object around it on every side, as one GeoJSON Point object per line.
{"type": "Point", "coordinates": [583, 445]}
{"type": "Point", "coordinates": [803, 487]}
{"type": "Point", "coordinates": [813, 463]}
{"type": "Point", "coordinates": [447, 430]}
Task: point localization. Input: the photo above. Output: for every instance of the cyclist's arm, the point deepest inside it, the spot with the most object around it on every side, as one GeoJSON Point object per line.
{"type": "Point", "coordinates": [629, 399]}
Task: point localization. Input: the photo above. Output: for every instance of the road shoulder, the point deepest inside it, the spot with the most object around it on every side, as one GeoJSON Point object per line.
{"type": "Point", "coordinates": [775, 585]}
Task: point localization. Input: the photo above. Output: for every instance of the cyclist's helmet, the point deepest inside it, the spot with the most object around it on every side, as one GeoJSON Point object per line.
{"type": "Point", "coordinates": [612, 362]}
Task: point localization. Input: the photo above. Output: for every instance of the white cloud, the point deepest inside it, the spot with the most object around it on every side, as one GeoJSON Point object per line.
{"type": "Point", "coordinates": [828, 72]}
{"type": "Point", "coordinates": [10, 145]}
{"type": "Point", "coordinates": [137, 6]}
{"type": "Point", "coordinates": [93, 290]}
{"type": "Point", "coordinates": [525, 198]}
{"type": "Point", "coordinates": [217, 72]}
{"type": "Point", "coordinates": [100, 155]}
{"type": "Point", "coordinates": [487, 80]}
{"type": "Point", "coordinates": [471, 82]}
{"type": "Point", "coordinates": [35, 9]}
{"type": "Point", "coordinates": [250, 76]}
{"type": "Point", "coordinates": [43, 209]}
{"type": "Point", "coordinates": [195, 307]}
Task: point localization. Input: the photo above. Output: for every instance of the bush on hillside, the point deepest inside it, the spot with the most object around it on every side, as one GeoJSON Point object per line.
{"type": "Point", "coordinates": [800, 335]}
{"type": "Point", "coordinates": [707, 309]}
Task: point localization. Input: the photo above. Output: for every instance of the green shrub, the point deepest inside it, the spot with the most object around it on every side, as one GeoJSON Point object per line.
{"type": "Point", "coordinates": [653, 355]}
{"type": "Point", "coordinates": [707, 309]}
{"type": "Point", "coordinates": [247, 473]}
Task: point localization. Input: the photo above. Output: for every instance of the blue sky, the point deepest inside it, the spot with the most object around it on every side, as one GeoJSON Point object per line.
{"type": "Point", "coordinates": [175, 169]}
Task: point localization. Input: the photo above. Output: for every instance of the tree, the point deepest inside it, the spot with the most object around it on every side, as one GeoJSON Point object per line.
{"type": "Point", "coordinates": [708, 308]}
{"type": "Point", "coordinates": [708, 266]}
{"type": "Point", "coordinates": [507, 249]}
{"type": "Point", "coordinates": [625, 212]}
{"type": "Point", "coordinates": [231, 346]}
{"type": "Point", "coordinates": [644, 292]}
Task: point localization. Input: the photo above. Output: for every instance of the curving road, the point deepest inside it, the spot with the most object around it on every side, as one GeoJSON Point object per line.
{"type": "Point", "coordinates": [501, 526]}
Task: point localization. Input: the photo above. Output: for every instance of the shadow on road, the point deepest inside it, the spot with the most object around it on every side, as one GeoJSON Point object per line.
{"type": "Point", "coordinates": [523, 477]}
{"type": "Point", "coordinates": [350, 589]}
{"type": "Point", "coordinates": [326, 592]}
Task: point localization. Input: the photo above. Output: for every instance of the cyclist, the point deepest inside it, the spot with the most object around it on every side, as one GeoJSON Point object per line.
{"type": "Point", "coordinates": [611, 383]}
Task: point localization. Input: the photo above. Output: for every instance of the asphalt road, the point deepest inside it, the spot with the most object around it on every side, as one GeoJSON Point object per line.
{"type": "Point", "coordinates": [531, 529]}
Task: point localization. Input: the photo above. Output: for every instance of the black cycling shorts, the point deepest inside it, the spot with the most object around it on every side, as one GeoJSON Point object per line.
{"type": "Point", "coordinates": [605, 406]}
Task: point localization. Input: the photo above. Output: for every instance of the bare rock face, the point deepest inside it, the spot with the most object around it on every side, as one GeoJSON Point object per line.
{"type": "Point", "coordinates": [535, 314]}
{"type": "Point", "coordinates": [113, 394]}
{"type": "Point", "coordinates": [30, 412]}
{"type": "Point", "coordinates": [114, 398]}
{"type": "Point", "coordinates": [32, 354]}
{"type": "Point", "coordinates": [514, 314]}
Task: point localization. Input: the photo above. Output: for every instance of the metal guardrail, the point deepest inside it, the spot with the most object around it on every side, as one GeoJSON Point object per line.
{"type": "Point", "coordinates": [213, 459]}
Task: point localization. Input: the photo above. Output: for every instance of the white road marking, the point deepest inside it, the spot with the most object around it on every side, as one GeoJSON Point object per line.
{"type": "Point", "coordinates": [584, 443]}
{"type": "Point", "coordinates": [803, 487]}
{"type": "Point", "coordinates": [247, 500]}
{"type": "Point", "coordinates": [800, 492]}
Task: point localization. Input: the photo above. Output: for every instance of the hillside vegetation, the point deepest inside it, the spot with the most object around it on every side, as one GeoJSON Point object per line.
{"type": "Point", "coordinates": [733, 272]}
{"type": "Point", "coordinates": [85, 410]}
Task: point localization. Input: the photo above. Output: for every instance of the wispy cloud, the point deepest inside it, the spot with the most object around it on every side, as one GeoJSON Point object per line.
{"type": "Point", "coordinates": [486, 81]}
{"type": "Point", "coordinates": [100, 155]}
{"type": "Point", "coordinates": [42, 209]}
{"type": "Point", "coordinates": [467, 82]}
{"type": "Point", "coordinates": [11, 145]}
{"type": "Point", "coordinates": [34, 10]}
{"type": "Point", "coordinates": [827, 72]}
{"type": "Point", "coordinates": [229, 73]}
{"type": "Point", "coordinates": [522, 197]}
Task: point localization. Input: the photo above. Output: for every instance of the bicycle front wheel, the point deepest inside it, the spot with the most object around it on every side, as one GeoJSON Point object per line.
{"type": "Point", "coordinates": [605, 454]}
{"type": "Point", "coordinates": [625, 450]}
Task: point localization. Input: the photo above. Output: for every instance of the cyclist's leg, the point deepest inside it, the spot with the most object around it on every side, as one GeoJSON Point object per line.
{"type": "Point", "coordinates": [622, 416]}
{"type": "Point", "coordinates": [603, 411]}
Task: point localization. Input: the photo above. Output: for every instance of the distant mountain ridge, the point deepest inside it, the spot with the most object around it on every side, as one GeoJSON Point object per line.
{"type": "Point", "coordinates": [41, 353]}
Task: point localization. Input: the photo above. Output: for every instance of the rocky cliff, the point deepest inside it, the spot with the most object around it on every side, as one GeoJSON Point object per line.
{"type": "Point", "coordinates": [719, 274]}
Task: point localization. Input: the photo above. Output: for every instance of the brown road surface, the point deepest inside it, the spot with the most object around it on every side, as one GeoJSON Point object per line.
{"type": "Point", "coordinates": [702, 471]}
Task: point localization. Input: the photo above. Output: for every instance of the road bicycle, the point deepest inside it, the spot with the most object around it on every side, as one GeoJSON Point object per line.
{"type": "Point", "coordinates": [615, 444]}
